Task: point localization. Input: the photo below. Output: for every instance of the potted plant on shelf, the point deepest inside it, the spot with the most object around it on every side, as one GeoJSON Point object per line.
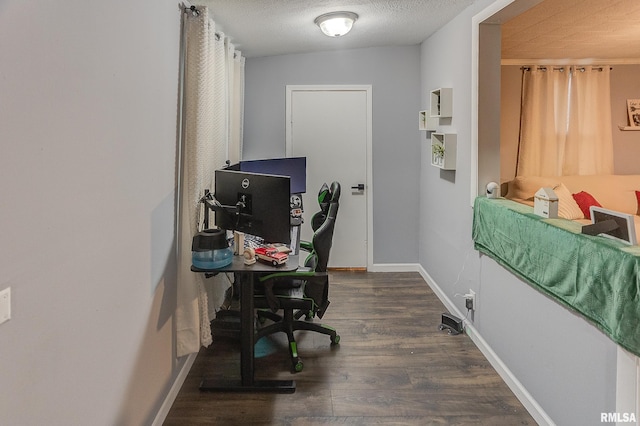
{"type": "Point", "coordinates": [437, 152]}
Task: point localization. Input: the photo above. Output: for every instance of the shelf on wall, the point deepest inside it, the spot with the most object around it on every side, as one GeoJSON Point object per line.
{"type": "Point", "coordinates": [426, 122]}
{"type": "Point", "coordinates": [627, 128]}
{"type": "Point", "coordinates": [443, 150]}
{"type": "Point", "coordinates": [441, 102]}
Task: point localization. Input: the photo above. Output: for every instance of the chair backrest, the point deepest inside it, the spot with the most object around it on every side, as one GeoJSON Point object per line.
{"type": "Point", "coordinates": [326, 196]}
{"type": "Point", "coordinates": [335, 191]}
{"type": "Point", "coordinates": [322, 241]}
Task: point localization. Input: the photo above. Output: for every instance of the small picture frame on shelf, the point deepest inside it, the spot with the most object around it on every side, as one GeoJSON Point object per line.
{"type": "Point", "coordinates": [633, 108]}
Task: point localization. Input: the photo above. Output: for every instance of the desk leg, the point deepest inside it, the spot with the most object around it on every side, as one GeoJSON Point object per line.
{"type": "Point", "coordinates": [247, 382]}
{"type": "Point", "coordinates": [247, 350]}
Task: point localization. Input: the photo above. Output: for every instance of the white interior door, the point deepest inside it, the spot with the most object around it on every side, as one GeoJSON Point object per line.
{"type": "Point", "coordinates": [331, 126]}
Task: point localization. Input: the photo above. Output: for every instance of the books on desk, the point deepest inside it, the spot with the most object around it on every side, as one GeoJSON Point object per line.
{"type": "Point", "coordinates": [254, 242]}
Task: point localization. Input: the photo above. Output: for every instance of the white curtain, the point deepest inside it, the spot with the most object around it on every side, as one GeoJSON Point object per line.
{"type": "Point", "coordinates": [589, 146]}
{"type": "Point", "coordinates": [565, 125]}
{"type": "Point", "coordinates": [543, 122]}
{"type": "Point", "coordinates": [206, 101]}
{"type": "Point", "coordinates": [236, 108]}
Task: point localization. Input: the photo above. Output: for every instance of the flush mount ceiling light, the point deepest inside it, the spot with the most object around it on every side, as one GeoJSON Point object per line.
{"type": "Point", "coordinates": [336, 24]}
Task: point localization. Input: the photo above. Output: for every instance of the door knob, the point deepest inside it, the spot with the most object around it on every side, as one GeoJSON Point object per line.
{"type": "Point", "coordinates": [358, 187]}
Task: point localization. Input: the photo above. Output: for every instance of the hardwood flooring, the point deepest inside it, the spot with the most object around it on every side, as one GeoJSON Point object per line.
{"type": "Point", "coordinates": [393, 366]}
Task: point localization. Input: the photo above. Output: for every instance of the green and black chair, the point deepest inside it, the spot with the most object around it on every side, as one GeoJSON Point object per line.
{"type": "Point", "coordinates": [326, 196]}
{"type": "Point", "coordinates": [301, 292]}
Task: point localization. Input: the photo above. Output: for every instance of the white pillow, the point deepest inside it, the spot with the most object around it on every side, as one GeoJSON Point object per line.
{"type": "Point", "coordinates": [567, 206]}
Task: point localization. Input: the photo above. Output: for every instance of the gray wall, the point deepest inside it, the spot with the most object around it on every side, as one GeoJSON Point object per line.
{"type": "Point", "coordinates": [88, 94]}
{"type": "Point", "coordinates": [394, 75]}
{"type": "Point", "coordinates": [567, 365]}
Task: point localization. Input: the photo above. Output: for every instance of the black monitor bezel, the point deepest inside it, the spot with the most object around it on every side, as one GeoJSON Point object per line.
{"type": "Point", "coordinates": [625, 231]}
{"type": "Point", "coordinates": [270, 217]}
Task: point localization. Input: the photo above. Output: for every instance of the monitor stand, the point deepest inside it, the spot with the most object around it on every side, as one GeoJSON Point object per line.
{"type": "Point", "coordinates": [600, 227]}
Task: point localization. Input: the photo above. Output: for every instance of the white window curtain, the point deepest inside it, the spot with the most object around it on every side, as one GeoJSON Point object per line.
{"type": "Point", "coordinates": [236, 109]}
{"type": "Point", "coordinates": [589, 146]}
{"type": "Point", "coordinates": [208, 96]}
{"type": "Point", "coordinates": [565, 123]}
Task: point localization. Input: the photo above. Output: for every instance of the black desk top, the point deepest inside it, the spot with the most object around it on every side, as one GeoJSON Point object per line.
{"type": "Point", "coordinates": [237, 265]}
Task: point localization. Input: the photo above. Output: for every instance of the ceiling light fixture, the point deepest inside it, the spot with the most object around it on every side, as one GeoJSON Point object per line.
{"type": "Point", "coordinates": [336, 24]}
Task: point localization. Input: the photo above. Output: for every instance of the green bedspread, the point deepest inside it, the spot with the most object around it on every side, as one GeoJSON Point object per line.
{"type": "Point", "coordinates": [594, 276]}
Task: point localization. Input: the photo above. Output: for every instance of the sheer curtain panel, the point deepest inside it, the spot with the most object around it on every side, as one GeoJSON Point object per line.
{"type": "Point", "coordinates": [589, 146]}
{"type": "Point", "coordinates": [543, 121]}
{"type": "Point", "coordinates": [565, 122]}
{"type": "Point", "coordinates": [236, 107]}
{"type": "Point", "coordinates": [204, 145]}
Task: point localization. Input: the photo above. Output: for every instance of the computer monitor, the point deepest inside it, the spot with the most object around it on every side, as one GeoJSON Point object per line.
{"type": "Point", "coordinates": [294, 167]}
{"type": "Point", "coordinates": [254, 203]}
{"type": "Point", "coordinates": [613, 224]}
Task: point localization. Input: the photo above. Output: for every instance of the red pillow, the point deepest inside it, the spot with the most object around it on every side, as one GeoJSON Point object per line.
{"type": "Point", "coordinates": [586, 200]}
{"type": "Point", "coordinates": [638, 197]}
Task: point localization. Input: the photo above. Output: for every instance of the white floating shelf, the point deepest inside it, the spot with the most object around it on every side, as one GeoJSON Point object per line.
{"type": "Point", "coordinates": [441, 103]}
{"type": "Point", "coordinates": [443, 150]}
{"type": "Point", "coordinates": [627, 128]}
{"type": "Point", "coordinates": [426, 122]}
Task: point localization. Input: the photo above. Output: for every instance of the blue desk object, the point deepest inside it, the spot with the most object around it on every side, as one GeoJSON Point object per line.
{"type": "Point", "coordinates": [247, 382]}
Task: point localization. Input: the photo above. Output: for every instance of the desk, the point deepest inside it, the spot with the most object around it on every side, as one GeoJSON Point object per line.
{"type": "Point", "coordinates": [247, 383]}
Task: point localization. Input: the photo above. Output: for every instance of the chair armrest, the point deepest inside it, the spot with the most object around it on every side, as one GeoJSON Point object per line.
{"type": "Point", "coordinates": [268, 281]}
{"type": "Point", "coordinates": [300, 273]}
{"type": "Point", "coordinates": [316, 287]}
{"type": "Point", "coordinates": [306, 246]}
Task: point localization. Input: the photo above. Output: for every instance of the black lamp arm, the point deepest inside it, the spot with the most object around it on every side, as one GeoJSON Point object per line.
{"type": "Point", "coordinates": [211, 203]}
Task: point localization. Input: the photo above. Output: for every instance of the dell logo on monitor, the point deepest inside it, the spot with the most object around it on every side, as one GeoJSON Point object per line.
{"type": "Point", "coordinates": [245, 183]}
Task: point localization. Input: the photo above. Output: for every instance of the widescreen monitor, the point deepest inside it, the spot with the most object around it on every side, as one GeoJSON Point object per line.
{"type": "Point", "coordinates": [294, 167]}
{"type": "Point", "coordinates": [255, 203]}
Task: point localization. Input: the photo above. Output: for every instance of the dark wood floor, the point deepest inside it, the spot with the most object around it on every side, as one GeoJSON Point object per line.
{"type": "Point", "coordinates": [393, 366]}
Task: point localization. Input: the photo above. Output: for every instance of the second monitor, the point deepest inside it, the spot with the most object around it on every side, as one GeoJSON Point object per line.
{"type": "Point", "coordinates": [294, 167]}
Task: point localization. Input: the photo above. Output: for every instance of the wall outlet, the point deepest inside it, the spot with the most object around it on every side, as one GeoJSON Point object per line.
{"type": "Point", "coordinates": [5, 305]}
{"type": "Point", "coordinates": [470, 300]}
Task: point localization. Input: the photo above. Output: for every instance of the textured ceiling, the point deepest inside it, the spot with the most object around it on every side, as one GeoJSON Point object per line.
{"type": "Point", "coordinates": [272, 27]}
{"type": "Point", "coordinates": [553, 29]}
{"type": "Point", "coordinates": [574, 29]}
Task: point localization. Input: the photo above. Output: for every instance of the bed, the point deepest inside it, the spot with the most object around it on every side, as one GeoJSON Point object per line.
{"type": "Point", "coordinates": [596, 277]}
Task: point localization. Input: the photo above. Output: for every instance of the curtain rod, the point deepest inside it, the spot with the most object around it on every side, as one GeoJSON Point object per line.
{"type": "Point", "coordinates": [561, 68]}
{"type": "Point", "coordinates": [188, 6]}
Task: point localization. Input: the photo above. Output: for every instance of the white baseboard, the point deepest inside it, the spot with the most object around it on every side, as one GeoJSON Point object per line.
{"type": "Point", "coordinates": [531, 405]}
{"type": "Point", "coordinates": [395, 267]}
{"type": "Point", "coordinates": [161, 415]}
